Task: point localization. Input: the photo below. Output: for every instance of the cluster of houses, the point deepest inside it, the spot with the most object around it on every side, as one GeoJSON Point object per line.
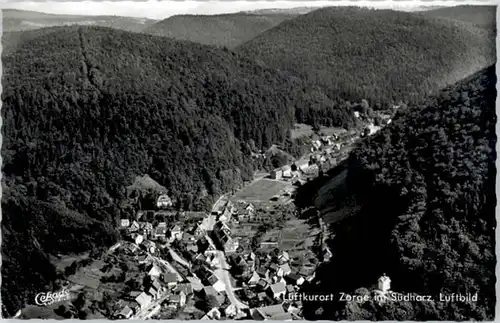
{"type": "Point", "coordinates": [163, 287]}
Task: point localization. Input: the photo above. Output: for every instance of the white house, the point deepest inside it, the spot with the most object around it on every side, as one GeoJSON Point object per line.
{"type": "Point", "coordinates": [125, 223]}
{"type": "Point", "coordinates": [138, 239]}
{"type": "Point", "coordinates": [278, 290]}
{"type": "Point", "coordinates": [384, 283]}
{"type": "Point", "coordinates": [287, 171]}
{"type": "Point", "coordinates": [163, 201]}
{"type": "Point", "coordinates": [143, 300]}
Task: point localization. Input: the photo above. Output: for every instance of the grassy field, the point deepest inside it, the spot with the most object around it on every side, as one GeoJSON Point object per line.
{"type": "Point", "coordinates": [301, 130]}
{"type": "Point", "coordinates": [261, 191]}
{"type": "Point", "coordinates": [297, 238]}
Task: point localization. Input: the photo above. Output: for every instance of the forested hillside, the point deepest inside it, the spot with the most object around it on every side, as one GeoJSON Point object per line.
{"type": "Point", "coordinates": [20, 20]}
{"type": "Point", "coordinates": [482, 16]}
{"type": "Point", "coordinates": [86, 110]}
{"type": "Point", "coordinates": [425, 186]}
{"type": "Point", "coordinates": [379, 55]}
{"type": "Point", "coordinates": [227, 30]}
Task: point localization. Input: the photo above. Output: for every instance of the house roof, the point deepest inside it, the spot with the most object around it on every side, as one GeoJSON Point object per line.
{"type": "Point", "coordinates": [176, 228]}
{"type": "Point", "coordinates": [278, 287]}
{"type": "Point", "coordinates": [126, 311]}
{"type": "Point", "coordinates": [143, 299]}
{"type": "Point", "coordinates": [293, 277]}
{"type": "Point", "coordinates": [286, 268]}
{"type": "Point", "coordinates": [274, 312]}
{"type": "Point", "coordinates": [169, 278]}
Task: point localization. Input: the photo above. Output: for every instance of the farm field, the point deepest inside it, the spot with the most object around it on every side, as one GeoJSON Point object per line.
{"type": "Point", "coordinates": [261, 191]}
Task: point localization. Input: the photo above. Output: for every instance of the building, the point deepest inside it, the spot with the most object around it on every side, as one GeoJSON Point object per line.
{"type": "Point", "coordinates": [170, 279]}
{"type": "Point", "coordinates": [160, 231]}
{"type": "Point", "coordinates": [125, 223]}
{"type": "Point", "coordinates": [138, 238]}
{"type": "Point", "coordinates": [125, 313]}
{"type": "Point", "coordinates": [163, 201]}
{"type": "Point", "coordinates": [276, 173]}
{"type": "Point", "coordinates": [285, 270]}
{"type": "Point", "coordinates": [150, 246]}
{"type": "Point", "coordinates": [154, 271]}
{"type": "Point", "coordinates": [144, 300]}
{"type": "Point", "coordinates": [176, 232]}
{"type": "Point", "coordinates": [384, 283]}
{"type": "Point", "coordinates": [254, 279]}
{"type": "Point", "coordinates": [114, 247]}
{"type": "Point", "coordinates": [273, 312]}
{"type": "Point", "coordinates": [287, 171]}
{"type": "Point", "coordinates": [283, 257]}
{"type": "Point", "coordinates": [278, 290]}
{"type": "Point", "coordinates": [134, 226]}
{"type": "Point", "coordinates": [295, 279]}
{"type": "Point", "coordinates": [178, 299]}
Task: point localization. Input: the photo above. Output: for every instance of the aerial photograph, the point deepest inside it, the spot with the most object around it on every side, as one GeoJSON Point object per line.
{"type": "Point", "coordinates": [240, 160]}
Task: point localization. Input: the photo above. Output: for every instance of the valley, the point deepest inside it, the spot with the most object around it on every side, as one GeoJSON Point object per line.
{"type": "Point", "coordinates": [218, 166]}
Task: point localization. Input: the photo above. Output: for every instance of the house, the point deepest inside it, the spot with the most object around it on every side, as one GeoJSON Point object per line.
{"type": "Point", "coordinates": [231, 311]}
{"type": "Point", "coordinates": [287, 171]}
{"type": "Point", "coordinates": [176, 232]}
{"type": "Point", "coordinates": [139, 215]}
{"type": "Point", "coordinates": [150, 246]}
{"type": "Point", "coordinates": [231, 245]}
{"type": "Point", "coordinates": [356, 114]}
{"type": "Point", "coordinates": [186, 288]}
{"type": "Point", "coordinates": [199, 231]}
{"type": "Point", "coordinates": [254, 279]}
{"type": "Point", "coordinates": [160, 231]}
{"type": "Point", "coordinates": [132, 248]}
{"type": "Point", "coordinates": [138, 238]}
{"type": "Point", "coordinates": [290, 289]}
{"type": "Point", "coordinates": [156, 285]}
{"type": "Point", "coordinates": [295, 279]}
{"type": "Point", "coordinates": [283, 257]}
{"type": "Point", "coordinates": [263, 272]}
{"type": "Point", "coordinates": [285, 270]}
{"type": "Point", "coordinates": [217, 284]}
{"type": "Point", "coordinates": [133, 294]}
{"type": "Point", "coordinates": [262, 283]}
{"type": "Point", "coordinates": [261, 296]}
{"type": "Point", "coordinates": [125, 223]}
{"type": "Point", "coordinates": [208, 223]}
{"type": "Point", "coordinates": [134, 226]}
{"type": "Point", "coordinates": [316, 144]}
{"type": "Point", "coordinates": [273, 312]}
{"type": "Point", "coordinates": [278, 290]}
{"type": "Point", "coordinates": [154, 271]}
{"type": "Point", "coordinates": [125, 313]}
{"type": "Point", "coordinates": [214, 314]}
{"type": "Point", "coordinates": [163, 201]}
{"type": "Point", "coordinates": [178, 299]}
{"type": "Point", "coordinates": [276, 173]}
{"type": "Point", "coordinates": [144, 300]}
{"type": "Point", "coordinates": [144, 259]}
{"type": "Point", "coordinates": [170, 279]}
{"type": "Point", "coordinates": [195, 283]}
{"type": "Point", "coordinates": [155, 294]}
{"type": "Point", "coordinates": [384, 283]}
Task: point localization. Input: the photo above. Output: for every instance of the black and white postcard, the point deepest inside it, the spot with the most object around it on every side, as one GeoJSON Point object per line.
{"type": "Point", "coordinates": [242, 160]}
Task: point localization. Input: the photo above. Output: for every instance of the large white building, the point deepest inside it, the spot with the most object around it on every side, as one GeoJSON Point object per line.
{"type": "Point", "coordinates": [384, 283]}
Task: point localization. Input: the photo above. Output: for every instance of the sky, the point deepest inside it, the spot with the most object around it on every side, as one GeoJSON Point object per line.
{"type": "Point", "coordinates": [163, 9]}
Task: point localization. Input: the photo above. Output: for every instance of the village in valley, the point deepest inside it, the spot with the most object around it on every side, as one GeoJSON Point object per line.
{"type": "Point", "coordinates": [246, 259]}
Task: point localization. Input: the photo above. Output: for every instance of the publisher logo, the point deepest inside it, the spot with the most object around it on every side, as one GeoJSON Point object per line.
{"type": "Point", "coordinates": [48, 298]}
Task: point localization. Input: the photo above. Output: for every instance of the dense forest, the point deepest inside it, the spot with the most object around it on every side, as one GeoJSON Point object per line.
{"type": "Point", "coordinates": [87, 109]}
{"type": "Point", "coordinates": [425, 186]}
{"type": "Point", "coordinates": [21, 20]}
{"type": "Point", "coordinates": [229, 30]}
{"type": "Point", "coordinates": [380, 55]}
{"type": "Point", "coordinates": [482, 16]}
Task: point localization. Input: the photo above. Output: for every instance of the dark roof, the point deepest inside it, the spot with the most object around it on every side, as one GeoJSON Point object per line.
{"type": "Point", "coordinates": [169, 278]}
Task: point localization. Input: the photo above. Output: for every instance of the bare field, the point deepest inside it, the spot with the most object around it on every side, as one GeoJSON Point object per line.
{"type": "Point", "coordinates": [261, 191]}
